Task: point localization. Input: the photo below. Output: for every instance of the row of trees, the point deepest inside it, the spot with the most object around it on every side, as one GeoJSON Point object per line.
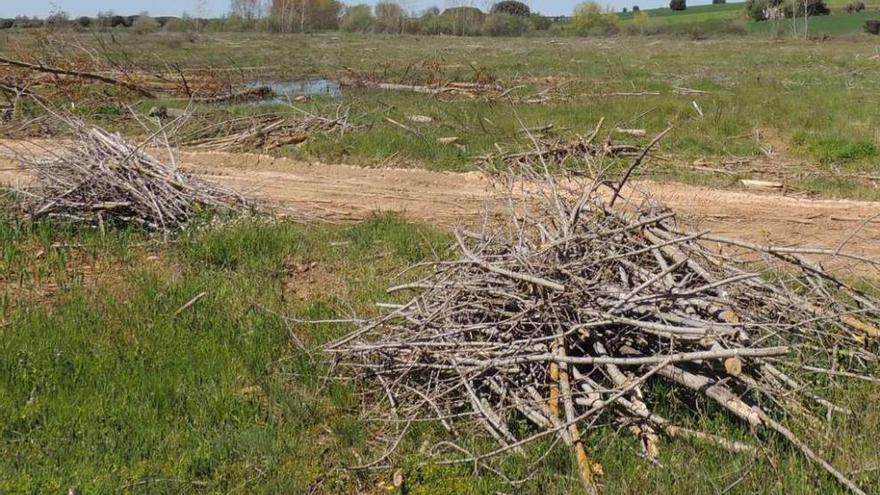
{"type": "Point", "coordinates": [762, 10]}
{"type": "Point", "coordinates": [505, 18]}
{"type": "Point", "coordinates": [142, 22]}
{"type": "Point", "coordinates": [588, 19]}
{"type": "Point", "coordinates": [385, 17]}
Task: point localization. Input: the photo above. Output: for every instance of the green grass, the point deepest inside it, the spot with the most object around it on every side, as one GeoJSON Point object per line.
{"type": "Point", "coordinates": [836, 150]}
{"type": "Point", "coordinates": [839, 23]}
{"type": "Point", "coordinates": [695, 13]}
{"type": "Point", "coordinates": [106, 388]}
{"type": "Point", "coordinates": [836, 24]}
{"type": "Point", "coordinates": [837, 5]}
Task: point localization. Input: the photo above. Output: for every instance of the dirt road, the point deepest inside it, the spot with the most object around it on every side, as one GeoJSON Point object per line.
{"type": "Point", "coordinates": [341, 192]}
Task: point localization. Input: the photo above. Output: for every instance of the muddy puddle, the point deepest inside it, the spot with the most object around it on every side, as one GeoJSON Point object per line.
{"type": "Point", "coordinates": [282, 90]}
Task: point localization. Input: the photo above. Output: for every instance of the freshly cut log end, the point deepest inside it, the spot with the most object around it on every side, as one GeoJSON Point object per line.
{"type": "Point", "coordinates": [761, 184]}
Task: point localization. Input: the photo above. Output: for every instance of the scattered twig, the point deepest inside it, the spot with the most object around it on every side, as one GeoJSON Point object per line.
{"type": "Point", "coordinates": [190, 303]}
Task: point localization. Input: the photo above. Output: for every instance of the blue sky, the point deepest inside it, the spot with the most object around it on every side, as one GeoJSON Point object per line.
{"type": "Point", "coordinates": [11, 8]}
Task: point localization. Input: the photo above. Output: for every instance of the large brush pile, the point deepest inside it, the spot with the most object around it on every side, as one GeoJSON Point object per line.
{"type": "Point", "coordinates": [562, 316]}
{"type": "Point", "coordinates": [99, 178]}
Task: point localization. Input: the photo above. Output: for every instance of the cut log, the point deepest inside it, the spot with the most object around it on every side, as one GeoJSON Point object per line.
{"type": "Point", "coordinates": [760, 184]}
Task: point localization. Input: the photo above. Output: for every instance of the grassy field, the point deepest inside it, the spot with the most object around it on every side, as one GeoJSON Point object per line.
{"type": "Point", "coordinates": [694, 13]}
{"type": "Point", "coordinates": [130, 366]}
{"type": "Point", "coordinates": [107, 386]}
{"type": "Point", "coordinates": [839, 23]}
{"type": "Point", "coordinates": [809, 106]}
{"type": "Point", "coordinates": [836, 24]}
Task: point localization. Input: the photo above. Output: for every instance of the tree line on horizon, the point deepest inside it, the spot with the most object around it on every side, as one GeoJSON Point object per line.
{"type": "Point", "coordinates": [504, 18]}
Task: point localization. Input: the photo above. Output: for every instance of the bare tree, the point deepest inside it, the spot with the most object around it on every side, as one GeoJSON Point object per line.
{"type": "Point", "coordinates": [806, 19]}
{"type": "Point", "coordinates": [201, 12]}
{"type": "Point", "coordinates": [201, 8]}
{"type": "Point", "coordinates": [302, 15]}
{"type": "Point", "coordinates": [247, 9]}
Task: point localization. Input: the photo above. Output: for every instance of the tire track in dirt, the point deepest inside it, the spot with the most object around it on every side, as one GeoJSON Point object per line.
{"type": "Point", "coordinates": [342, 192]}
{"type": "Point", "coordinates": [345, 192]}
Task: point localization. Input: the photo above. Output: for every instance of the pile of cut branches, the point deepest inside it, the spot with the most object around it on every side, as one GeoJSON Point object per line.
{"type": "Point", "coordinates": [558, 152]}
{"type": "Point", "coordinates": [563, 315]}
{"type": "Point", "coordinates": [99, 178]}
{"type": "Point", "coordinates": [268, 131]}
{"type": "Point", "coordinates": [485, 90]}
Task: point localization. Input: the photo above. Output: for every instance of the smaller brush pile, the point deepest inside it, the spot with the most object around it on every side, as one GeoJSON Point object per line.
{"type": "Point", "coordinates": [99, 178]}
{"type": "Point", "coordinates": [559, 152]}
{"type": "Point", "coordinates": [268, 131]}
{"type": "Point", "coordinates": [563, 315]}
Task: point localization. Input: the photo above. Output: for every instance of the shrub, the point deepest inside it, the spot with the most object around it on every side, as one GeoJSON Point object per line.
{"type": "Point", "coordinates": [436, 24]}
{"type": "Point", "coordinates": [287, 16]}
{"type": "Point", "coordinates": [506, 25]}
{"type": "Point", "coordinates": [557, 29]}
{"type": "Point", "coordinates": [589, 19]}
{"type": "Point", "coordinates": [636, 8]}
{"type": "Point", "coordinates": [357, 19]}
{"type": "Point", "coordinates": [221, 24]}
{"type": "Point", "coordinates": [145, 24]}
{"type": "Point", "coordinates": [324, 14]}
{"type": "Point", "coordinates": [541, 22]}
{"type": "Point", "coordinates": [678, 4]}
{"type": "Point", "coordinates": [466, 13]}
{"type": "Point", "coordinates": [511, 7]}
{"type": "Point", "coordinates": [6, 23]}
{"type": "Point", "coordinates": [57, 18]}
{"type": "Point", "coordinates": [718, 2]}
{"type": "Point", "coordinates": [103, 19]}
{"type": "Point", "coordinates": [464, 21]}
{"type": "Point", "coordinates": [854, 7]}
{"type": "Point", "coordinates": [872, 27]}
{"type": "Point", "coordinates": [118, 20]}
{"type": "Point", "coordinates": [176, 25]}
{"type": "Point", "coordinates": [412, 25]}
{"type": "Point", "coordinates": [762, 10]}
{"type": "Point", "coordinates": [234, 23]}
{"type": "Point", "coordinates": [641, 21]}
{"type": "Point", "coordinates": [813, 8]}
{"type": "Point", "coordinates": [755, 10]}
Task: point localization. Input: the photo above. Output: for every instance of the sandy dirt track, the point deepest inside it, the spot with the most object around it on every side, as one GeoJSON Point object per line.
{"type": "Point", "coordinates": [340, 192]}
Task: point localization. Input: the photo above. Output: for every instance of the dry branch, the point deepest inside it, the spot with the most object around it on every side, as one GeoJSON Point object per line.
{"type": "Point", "coordinates": [81, 74]}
